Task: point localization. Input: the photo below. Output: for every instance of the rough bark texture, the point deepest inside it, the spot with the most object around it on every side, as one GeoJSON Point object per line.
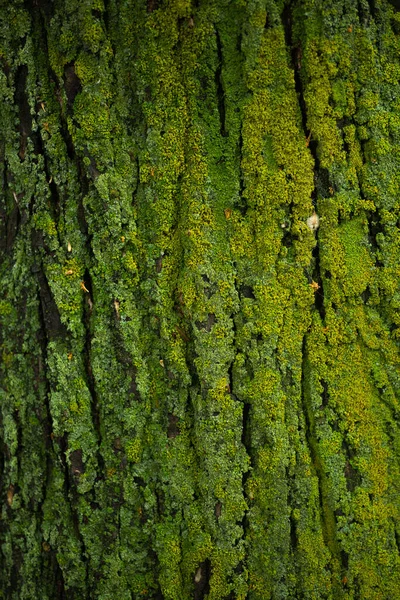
{"type": "Point", "coordinates": [199, 394]}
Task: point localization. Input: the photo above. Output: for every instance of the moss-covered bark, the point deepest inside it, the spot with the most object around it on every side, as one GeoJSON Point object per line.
{"type": "Point", "coordinates": [199, 393]}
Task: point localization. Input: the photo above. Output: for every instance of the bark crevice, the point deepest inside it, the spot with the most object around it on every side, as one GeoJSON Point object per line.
{"type": "Point", "coordinates": [220, 87]}
{"type": "Point", "coordinates": [90, 380]}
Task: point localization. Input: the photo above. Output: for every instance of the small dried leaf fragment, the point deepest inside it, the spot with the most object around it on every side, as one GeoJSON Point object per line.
{"type": "Point", "coordinates": [10, 495]}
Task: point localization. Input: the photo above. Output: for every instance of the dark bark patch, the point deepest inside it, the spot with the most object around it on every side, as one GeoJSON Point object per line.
{"type": "Point", "coordinates": [5, 66]}
{"type": "Point", "coordinates": [207, 324]}
{"type": "Point", "coordinates": [246, 291]}
{"type": "Point", "coordinates": [117, 445]}
{"type": "Point", "coordinates": [293, 533]}
{"type": "Point", "coordinates": [46, 7]}
{"type": "Point", "coordinates": [133, 389]}
{"type": "Point", "coordinates": [160, 501]}
{"type": "Point", "coordinates": [24, 113]}
{"type": "Point", "coordinates": [322, 182]}
{"type": "Point", "coordinates": [55, 199]}
{"type": "Point", "coordinates": [287, 238]}
{"type": "Point", "coordinates": [353, 477]}
{"type": "Point", "coordinates": [182, 333]}
{"type": "Point", "coordinates": [173, 428]}
{"type": "Point", "coordinates": [376, 230]}
{"type": "Point", "coordinates": [147, 93]}
{"type": "Point", "coordinates": [366, 295]}
{"type": "Point", "coordinates": [202, 580]}
{"type": "Point", "coordinates": [152, 5]}
{"type": "Point", "coordinates": [325, 393]}
{"type": "Point", "coordinates": [72, 83]}
{"type": "Point", "coordinates": [159, 263]}
{"type": "Point", "coordinates": [345, 559]}
{"type": "Point", "coordinates": [245, 423]}
{"type": "Point", "coordinates": [51, 316]}
{"type": "Point", "coordinates": [17, 561]}
{"type": "Point", "coordinates": [372, 8]}
{"type": "Point", "coordinates": [92, 169]}
{"type": "Point", "coordinates": [397, 538]}
{"type": "Point", "coordinates": [76, 461]}
{"type": "Point", "coordinates": [69, 145]}
{"type": "Point", "coordinates": [209, 288]}
{"type": "Point", "coordinates": [12, 224]}
{"type": "Point", "coordinates": [246, 441]}
{"type": "Point", "coordinates": [220, 89]}
{"type": "Point", "coordinates": [394, 23]}
{"type": "Point", "coordinates": [58, 576]}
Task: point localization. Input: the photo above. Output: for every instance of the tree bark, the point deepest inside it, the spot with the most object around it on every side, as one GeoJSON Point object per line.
{"type": "Point", "coordinates": [199, 299]}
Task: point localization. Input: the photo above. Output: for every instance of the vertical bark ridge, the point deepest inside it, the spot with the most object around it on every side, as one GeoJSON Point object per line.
{"type": "Point", "coordinates": [342, 105]}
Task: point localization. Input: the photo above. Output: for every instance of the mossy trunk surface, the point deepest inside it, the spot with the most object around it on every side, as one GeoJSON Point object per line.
{"type": "Point", "coordinates": [199, 394]}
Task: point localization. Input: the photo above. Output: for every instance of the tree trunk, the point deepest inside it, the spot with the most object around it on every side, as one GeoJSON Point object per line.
{"type": "Point", "coordinates": [199, 299]}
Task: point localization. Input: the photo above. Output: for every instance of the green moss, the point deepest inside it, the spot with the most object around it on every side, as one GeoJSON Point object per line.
{"type": "Point", "coordinates": [199, 395]}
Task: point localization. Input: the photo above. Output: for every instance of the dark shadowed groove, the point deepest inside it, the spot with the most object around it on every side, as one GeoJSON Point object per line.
{"type": "Point", "coordinates": [70, 494]}
{"type": "Point", "coordinates": [54, 195]}
{"type": "Point", "coordinates": [72, 84]}
{"type": "Point", "coordinates": [375, 228]}
{"type": "Point", "coordinates": [94, 403]}
{"type": "Point", "coordinates": [152, 5]}
{"type": "Point", "coordinates": [65, 134]}
{"type": "Point", "coordinates": [246, 421]}
{"type": "Point", "coordinates": [48, 424]}
{"type": "Point", "coordinates": [45, 7]}
{"type": "Point", "coordinates": [293, 527]}
{"type": "Point", "coordinates": [51, 317]}
{"type": "Point", "coordinates": [319, 174]}
{"type": "Point", "coordinates": [2, 464]}
{"type": "Point", "coordinates": [242, 204]}
{"type": "Point", "coordinates": [50, 451]}
{"type": "Point", "coordinates": [3, 212]}
{"type": "Point", "coordinates": [295, 57]}
{"type": "Point", "coordinates": [219, 87]}
{"type": "Point", "coordinates": [202, 580]}
{"type": "Point", "coordinates": [24, 113]}
{"type": "Point", "coordinates": [39, 18]}
{"type": "Point", "coordinates": [53, 328]}
{"type": "Point", "coordinates": [351, 474]}
{"type": "Point", "coordinates": [319, 294]}
{"type": "Point", "coordinates": [328, 519]}
{"type": "Point", "coordinates": [12, 223]}
{"type": "Point", "coordinates": [307, 422]}
{"type": "Point", "coordinates": [55, 207]}
{"type": "Point", "coordinates": [372, 8]}
{"type": "Point", "coordinates": [397, 537]}
{"type": "Point", "coordinates": [59, 579]}
{"type": "Point", "coordinates": [16, 566]}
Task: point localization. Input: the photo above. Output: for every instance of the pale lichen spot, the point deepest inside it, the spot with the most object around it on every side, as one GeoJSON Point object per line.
{"type": "Point", "coordinates": [313, 222]}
